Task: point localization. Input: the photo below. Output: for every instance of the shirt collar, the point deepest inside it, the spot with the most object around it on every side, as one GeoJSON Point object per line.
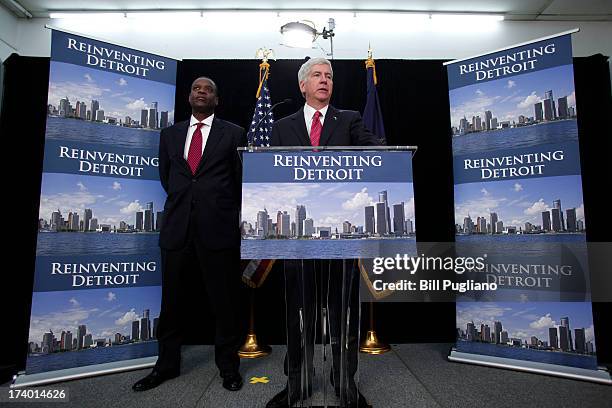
{"type": "Point", "coordinates": [208, 121]}
{"type": "Point", "coordinates": [309, 111]}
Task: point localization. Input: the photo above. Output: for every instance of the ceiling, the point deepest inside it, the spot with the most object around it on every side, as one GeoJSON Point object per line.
{"type": "Point", "coordinates": [525, 10]}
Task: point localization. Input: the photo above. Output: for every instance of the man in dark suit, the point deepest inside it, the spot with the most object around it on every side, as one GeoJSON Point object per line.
{"type": "Point", "coordinates": [200, 170]}
{"type": "Point", "coordinates": [320, 124]}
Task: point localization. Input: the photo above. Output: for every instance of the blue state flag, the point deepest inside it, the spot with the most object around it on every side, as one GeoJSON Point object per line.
{"type": "Point", "coordinates": [372, 115]}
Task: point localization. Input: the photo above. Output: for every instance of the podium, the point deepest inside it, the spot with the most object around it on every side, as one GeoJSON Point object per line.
{"type": "Point", "coordinates": [317, 211]}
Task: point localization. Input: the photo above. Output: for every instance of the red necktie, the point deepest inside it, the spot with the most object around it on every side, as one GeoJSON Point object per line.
{"type": "Point", "coordinates": [195, 149]}
{"type": "Point", "coordinates": [315, 129]}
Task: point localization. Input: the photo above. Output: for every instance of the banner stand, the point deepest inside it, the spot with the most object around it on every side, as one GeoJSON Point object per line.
{"type": "Point", "coordinates": [601, 376]}
{"type": "Point", "coordinates": [97, 277]}
{"type": "Point", "coordinates": [28, 380]}
{"type": "Point", "coordinates": [522, 103]}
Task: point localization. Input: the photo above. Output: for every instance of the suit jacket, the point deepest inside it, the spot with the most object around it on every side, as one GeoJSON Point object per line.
{"type": "Point", "coordinates": [340, 128]}
{"type": "Point", "coordinates": [210, 200]}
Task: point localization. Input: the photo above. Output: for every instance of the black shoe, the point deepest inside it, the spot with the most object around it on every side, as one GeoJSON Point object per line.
{"type": "Point", "coordinates": [284, 400]}
{"type": "Point", "coordinates": [233, 382]}
{"type": "Point", "coordinates": [152, 380]}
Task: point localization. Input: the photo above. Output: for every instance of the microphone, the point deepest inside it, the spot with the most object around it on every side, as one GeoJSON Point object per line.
{"type": "Point", "coordinates": [288, 100]}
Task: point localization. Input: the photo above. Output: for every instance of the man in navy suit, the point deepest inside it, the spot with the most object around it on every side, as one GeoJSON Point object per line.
{"type": "Point", "coordinates": [200, 170]}
{"type": "Point", "coordinates": [320, 124]}
{"type": "Point", "coordinates": [338, 127]}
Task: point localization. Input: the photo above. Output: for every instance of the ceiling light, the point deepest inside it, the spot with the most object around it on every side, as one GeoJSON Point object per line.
{"type": "Point", "coordinates": [299, 34]}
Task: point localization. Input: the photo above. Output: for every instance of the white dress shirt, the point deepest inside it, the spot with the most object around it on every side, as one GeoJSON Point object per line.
{"type": "Point", "coordinates": [204, 129]}
{"type": "Point", "coordinates": [309, 112]}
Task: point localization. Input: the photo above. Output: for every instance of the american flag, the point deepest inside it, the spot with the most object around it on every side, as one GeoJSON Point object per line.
{"type": "Point", "coordinates": [260, 130]}
{"type": "Point", "coordinates": [255, 271]}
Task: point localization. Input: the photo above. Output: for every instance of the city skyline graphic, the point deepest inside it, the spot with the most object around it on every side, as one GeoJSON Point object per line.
{"type": "Point", "coordinates": [104, 312]}
{"type": "Point", "coordinates": [509, 98]}
{"type": "Point", "coordinates": [118, 96]}
{"type": "Point", "coordinates": [524, 320]}
{"type": "Point", "coordinates": [518, 201]}
{"type": "Point", "coordinates": [111, 200]}
{"type": "Point", "coordinates": [329, 205]}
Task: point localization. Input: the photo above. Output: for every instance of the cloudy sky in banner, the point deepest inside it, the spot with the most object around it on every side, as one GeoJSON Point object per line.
{"type": "Point", "coordinates": [104, 311]}
{"type": "Point", "coordinates": [518, 201]}
{"type": "Point", "coordinates": [329, 205]}
{"type": "Point", "coordinates": [119, 96]}
{"type": "Point", "coordinates": [510, 97]}
{"type": "Point", "coordinates": [111, 200]}
{"type": "Point", "coordinates": [523, 320]}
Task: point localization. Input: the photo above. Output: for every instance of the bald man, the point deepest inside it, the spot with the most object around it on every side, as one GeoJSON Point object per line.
{"type": "Point", "coordinates": [200, 170]}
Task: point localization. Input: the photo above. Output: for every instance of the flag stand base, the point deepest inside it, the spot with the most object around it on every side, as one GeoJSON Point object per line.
{"type": "Point", "coordinates": [251, 349]}
{"type": "Point", "coordinates": [371, 344]}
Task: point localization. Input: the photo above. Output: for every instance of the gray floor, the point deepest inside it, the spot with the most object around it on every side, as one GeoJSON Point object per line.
{"type": "Point", "coordinates": [411, 375]}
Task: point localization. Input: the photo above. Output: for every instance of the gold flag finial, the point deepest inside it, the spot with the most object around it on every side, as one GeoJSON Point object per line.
{"type": "Point", "coordinates": [369, 63]}
{"type": "Point", "coordinates": [264, 68]}
{"type": "Point", "coordinates": [264, 54]}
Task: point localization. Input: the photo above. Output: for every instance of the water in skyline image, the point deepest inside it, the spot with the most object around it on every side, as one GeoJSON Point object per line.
{"type": "Point", "coordinates": [94, 132]}
{"type": "Point", "coordinates": [327, 248]}
{"type": "Point", "coordinates": [90, 356]}
{"type": "Point", "coordinates": [517, 137]}
{"type": "Point", "coordinates": [69, 243]}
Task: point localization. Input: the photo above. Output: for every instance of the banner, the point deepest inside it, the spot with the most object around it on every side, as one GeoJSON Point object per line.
{"type": "Point", "coordinates": [97, 284]}
{"type": "Point", "coordinates": [518, 201]}
{"type": "Point", "coordinates": [327, 204]}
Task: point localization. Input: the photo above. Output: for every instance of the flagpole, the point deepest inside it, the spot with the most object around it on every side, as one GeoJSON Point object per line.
{"type": "Point", "coordinates": [372, 118]}
{"type": "Point", "coordinates": [259, 268]}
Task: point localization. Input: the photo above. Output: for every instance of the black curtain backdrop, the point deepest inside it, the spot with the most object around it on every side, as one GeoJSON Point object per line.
{"type": "Point", "coordinates": [414, 102]}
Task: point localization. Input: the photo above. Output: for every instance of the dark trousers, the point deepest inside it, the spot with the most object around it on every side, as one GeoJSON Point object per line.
{"type": "Point", "coordinates": [220, 273]}
{"type": "Point", "coordinates": [311, 285]}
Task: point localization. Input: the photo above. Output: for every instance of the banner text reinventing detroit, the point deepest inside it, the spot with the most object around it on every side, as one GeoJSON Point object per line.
{"type": "Point", "coordinates": [115, 60]}
{"type": "Point", "coordinates": [522, 165]}
{"type": "Point", "coordinates": [501, 65]}
{"type": "Point", "coordinates": [114, 164]}
{"type": "Point", "coordinates": [355, 165]}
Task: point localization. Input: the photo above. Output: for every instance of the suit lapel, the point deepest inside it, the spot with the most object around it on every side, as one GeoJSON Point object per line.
{"type": "Point", "coordinates": [214, 137]}
{"type": "Point", "coordinates": [179, 142]}
{"type": "Point", "coordinates": [331, 121]}
{"type": "Point", "coordinates": [299, 127]}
